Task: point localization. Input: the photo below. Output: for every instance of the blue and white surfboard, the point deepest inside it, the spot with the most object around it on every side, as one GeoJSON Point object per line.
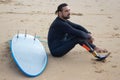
{"type": "Point", "coordinates": [29, 54]}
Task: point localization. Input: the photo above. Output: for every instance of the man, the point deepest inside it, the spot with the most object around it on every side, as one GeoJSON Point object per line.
{"type": "Point", "coordinates": [63, 35]}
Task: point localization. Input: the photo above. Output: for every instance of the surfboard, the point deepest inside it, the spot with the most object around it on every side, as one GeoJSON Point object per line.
{"type": "Point", "coordinates": [29, 54]}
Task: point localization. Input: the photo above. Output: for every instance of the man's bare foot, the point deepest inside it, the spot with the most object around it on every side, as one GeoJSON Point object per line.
{"type": "Point", "coordinates": [99, 50]}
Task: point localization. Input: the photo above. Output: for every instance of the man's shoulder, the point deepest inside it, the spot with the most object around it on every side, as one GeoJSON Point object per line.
{"type": "Point", "coordinates": [58, 21]}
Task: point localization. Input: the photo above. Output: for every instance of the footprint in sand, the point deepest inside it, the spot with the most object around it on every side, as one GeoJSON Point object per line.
{"type": "Point", "coordinates": [116, 28]}
{"type": "Point", "coordinates": [99, 71]}
{"type": "Point", "coordinates": [5, 52]}
{"type": "Point", "coordinates": [109, 17]}
{"type": "Point", "coordinates": [114, 66]}
{"type": "Point", "coordinates": [117, 35]}
{"type": "Point", "coordinates": [77, 14]}
{"type": "Point", "coordinates": [101, 9]}
{"type": "Point", "coordinates": [5, 1]}
{"type": "Point", "coordinates": [97, 67]}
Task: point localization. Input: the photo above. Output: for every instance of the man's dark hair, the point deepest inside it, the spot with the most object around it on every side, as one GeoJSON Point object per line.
{"type": "Point", "coordinates": [59, 8]}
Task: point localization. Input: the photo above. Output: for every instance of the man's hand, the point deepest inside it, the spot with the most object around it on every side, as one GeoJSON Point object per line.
{"type": "Point", "coordinates": [91, 39]}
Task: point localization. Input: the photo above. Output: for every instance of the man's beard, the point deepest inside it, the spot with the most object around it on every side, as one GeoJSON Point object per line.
{"type": "Point", "coordinates": [66, 17]}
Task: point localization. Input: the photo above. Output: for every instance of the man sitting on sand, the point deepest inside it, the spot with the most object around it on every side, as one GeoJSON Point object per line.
{"type": "Point", "coordinates": [63, 34]}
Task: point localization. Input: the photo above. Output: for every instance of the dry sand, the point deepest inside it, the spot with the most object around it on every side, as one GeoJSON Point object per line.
{"type": "Point", "coordinates": [101, 17]}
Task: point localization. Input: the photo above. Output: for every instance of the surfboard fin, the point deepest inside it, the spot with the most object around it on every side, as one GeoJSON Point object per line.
{"type": "Point", "coordinates": [18, 34]}
{"type": "Point", "coordinates": [25, 33]}
{"type": "Point", "coordinates": [35, 36]}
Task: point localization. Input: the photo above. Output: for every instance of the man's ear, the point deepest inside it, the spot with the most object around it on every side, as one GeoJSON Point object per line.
{"type": "Point", "coordinates": [59, 13]}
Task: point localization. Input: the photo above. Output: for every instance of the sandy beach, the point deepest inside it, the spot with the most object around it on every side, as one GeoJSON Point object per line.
{"type": "Point", "coordinates": [101, 17]}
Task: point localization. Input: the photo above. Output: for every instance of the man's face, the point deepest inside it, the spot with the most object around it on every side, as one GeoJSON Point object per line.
{"type": "Point", "coordinates": [65, 12]}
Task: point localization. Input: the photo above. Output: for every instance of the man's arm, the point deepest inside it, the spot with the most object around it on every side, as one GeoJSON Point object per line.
{"type": "Point", "coordinates": [78, 26]}
{"type": "Point", "coordinates": [77, 32]}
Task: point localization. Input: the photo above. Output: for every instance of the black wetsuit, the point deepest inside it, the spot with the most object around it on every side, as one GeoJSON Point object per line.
{"type": "Point", "coordinates": [63, 35]}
